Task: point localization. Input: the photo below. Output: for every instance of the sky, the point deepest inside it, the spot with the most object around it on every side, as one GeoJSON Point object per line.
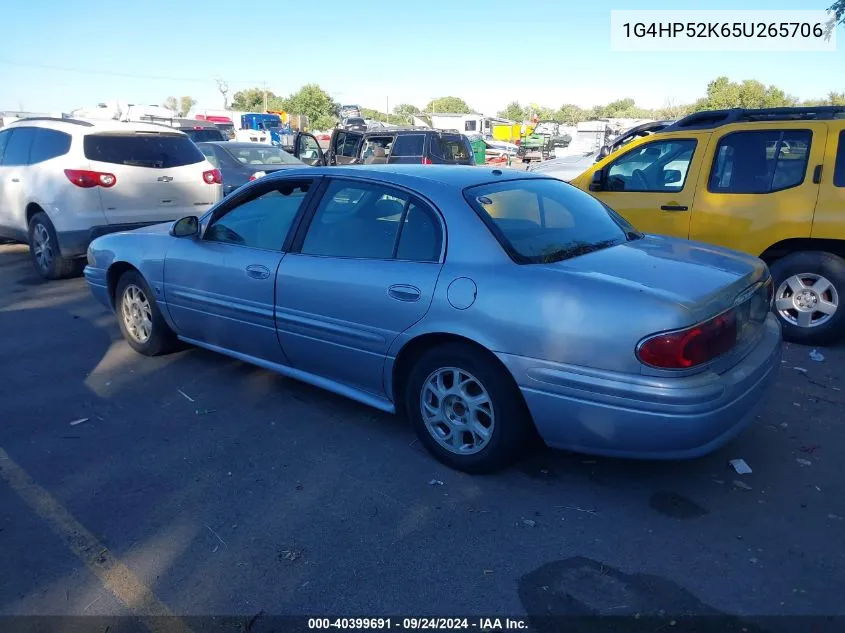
{"type": "Point", "coordinates": [58, 56]}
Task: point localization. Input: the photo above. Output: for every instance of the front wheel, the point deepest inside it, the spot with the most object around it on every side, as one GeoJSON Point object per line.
{"type": "Point", "coordinates": [139, 317]}
{"type": "Point", "coordinates": [466, 409]}
{"type": "Point", "coordinates": [809, 289]}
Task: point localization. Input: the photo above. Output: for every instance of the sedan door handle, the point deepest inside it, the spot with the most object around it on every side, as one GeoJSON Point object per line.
{"type": "Point", "coordinates": [256, 271]}
{"type": "Point", "coordinates": [674, 207]}
{"type": "Point", "coordinates": [404, 292]}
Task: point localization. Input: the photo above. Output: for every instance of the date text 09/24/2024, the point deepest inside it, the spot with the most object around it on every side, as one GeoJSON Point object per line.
{"type": "Point", "coordinates": [418, 624]}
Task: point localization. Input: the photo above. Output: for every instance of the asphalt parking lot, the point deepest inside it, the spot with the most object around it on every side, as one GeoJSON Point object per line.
{"type": "Point", "coordinates": [199, 485]}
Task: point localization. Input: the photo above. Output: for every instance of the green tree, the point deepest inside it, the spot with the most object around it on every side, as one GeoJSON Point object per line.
{"type": "Point", "coordinates": [375, 115]}
{"type": "Point", "coordinates": [832, 99]}
{"type": "Point", "coordinates": [185, 105]}
{"type": "Point", "coordinates": [541, 112]}
{"type": "Point", "coordinates": [313, 102]}
{"type": "Point", "coordinates": [723, 93]}
{"type": "Point", "coordinates": [570, 114]}
{"type": "Point", "coordinates": [451, 105]}
{"type": "Point", "coordinates": [252, 100]}
{"type": "Point", "coordinates": [513, 112]}
{"type": "Point", "coordinates": [403, 113]}
{"type": "Point", "coordinates": [171, 104]}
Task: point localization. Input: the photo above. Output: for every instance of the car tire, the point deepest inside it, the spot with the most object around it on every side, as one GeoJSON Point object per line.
{"type": "Point", "coordinates": [795, 295]}
{"type": "Point", "coordinates": [500, 408]}
{"type": "Point", "coordinates": [140, 318]}
{"type": "Point", "coordinates": [45, 253]}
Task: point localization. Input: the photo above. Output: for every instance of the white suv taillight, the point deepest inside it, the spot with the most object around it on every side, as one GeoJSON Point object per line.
{"type": "Point", "coordinates": [212, 177]}
{"type": "Point", "coordinates": [87, 179]}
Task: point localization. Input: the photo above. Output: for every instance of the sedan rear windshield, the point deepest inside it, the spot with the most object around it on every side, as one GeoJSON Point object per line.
{"type": "Point", "coordinates": [541, 221]}
{"type": "Point", "coordinates": [262, 155]}
{"type": "Point", "coordinates": [159, 151]}
{"type": "Point", "coordinates": [204, 135]}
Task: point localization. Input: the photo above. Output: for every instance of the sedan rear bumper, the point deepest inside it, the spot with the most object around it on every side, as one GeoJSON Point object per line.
{"type": "Point", "coordinates": [642, 417]}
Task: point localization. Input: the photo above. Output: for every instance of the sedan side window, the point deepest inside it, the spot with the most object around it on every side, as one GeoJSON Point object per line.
{"type": "Point", "coordinates": [660, 166]}
{"type": "Point", "coordinates": [420, 239]}
{"type": "Point", "coordinates": [261, 222]}
{"type": "Point", "coordinates": [356, 220]}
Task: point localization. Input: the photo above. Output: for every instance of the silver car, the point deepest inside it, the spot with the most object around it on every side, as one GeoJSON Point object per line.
{"type": "Point", "coordinates": [483, 304]}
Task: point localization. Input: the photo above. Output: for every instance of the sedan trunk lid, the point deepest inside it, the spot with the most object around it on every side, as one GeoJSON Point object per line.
{"type": "Point", "coordinates": [706, 280]}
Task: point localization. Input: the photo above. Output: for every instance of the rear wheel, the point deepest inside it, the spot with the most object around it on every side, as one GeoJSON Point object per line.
{"type": "Point", "coordinates": [139, 317]}
{"type": "Point", "coordinates": [809, 290]}
{"type": "Point", "coordinates": [466, 409]}
{"type": "Point", "coordinates": [44, 249]}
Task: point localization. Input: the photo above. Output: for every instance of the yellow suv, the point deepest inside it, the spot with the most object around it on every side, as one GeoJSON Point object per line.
{"type": "Point", "coordinates": [768, 182]}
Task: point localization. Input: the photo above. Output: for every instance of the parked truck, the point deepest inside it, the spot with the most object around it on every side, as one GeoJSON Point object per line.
{"type": "Point", "coordinates": [262, 127]}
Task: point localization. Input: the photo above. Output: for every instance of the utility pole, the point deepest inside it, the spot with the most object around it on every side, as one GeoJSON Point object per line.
{"type": "Point", "coordinates": [265, 96]}
{"type": "Point", "coordinates": [387, 108]}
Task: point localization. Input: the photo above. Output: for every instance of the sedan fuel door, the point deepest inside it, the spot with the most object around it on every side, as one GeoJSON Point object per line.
{"type": "Point", "coordinates": [220, 284]}
{"type": "Point", "coordinates": [362, 270]}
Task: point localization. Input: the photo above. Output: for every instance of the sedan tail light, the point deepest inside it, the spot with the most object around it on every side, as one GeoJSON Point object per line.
{"type": "Point", "coordinates": [86, 179]}
{"type": "Point", "coordinates": [212, 177]}
{"type": "Point", "coordinates": [426, 160]}
{"type": "Point", "coordinates": [692, 346]}
{"type": "Point", "coordinates": [257, 175]}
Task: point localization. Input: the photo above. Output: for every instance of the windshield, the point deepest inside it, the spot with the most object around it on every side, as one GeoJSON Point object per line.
{"type": "Point", "coordinates": [355, 122]}
{"type": "Point", "coordinates": [540, 221]}
{"type": "Point", "coordinates": [263, 155]}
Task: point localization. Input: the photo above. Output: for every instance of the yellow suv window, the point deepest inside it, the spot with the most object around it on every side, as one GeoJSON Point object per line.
{"type": "Point", "coordinates": [760, 161]}
{"type": "Point", "coordinates": [660, 166]}
{"type": "Point", "coordinates": [839, 170]}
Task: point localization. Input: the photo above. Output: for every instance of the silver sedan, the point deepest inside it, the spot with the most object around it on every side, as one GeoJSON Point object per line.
{"type": "Point", "coordinates": [488, 306]}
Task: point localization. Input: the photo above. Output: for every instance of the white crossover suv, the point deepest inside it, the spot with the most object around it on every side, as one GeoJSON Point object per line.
{"type": "Point", "coordinates": [65, 181]}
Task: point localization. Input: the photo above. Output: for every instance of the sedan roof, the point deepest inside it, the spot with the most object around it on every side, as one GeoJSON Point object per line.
{"type": "Point", "coordinates": [238, 144]}
{"type": "Point", "coordinates": [458, 176]}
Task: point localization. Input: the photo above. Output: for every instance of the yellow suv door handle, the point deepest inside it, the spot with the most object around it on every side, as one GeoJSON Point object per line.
{"type": "Point", "coordinates": [674, 207]}
{"type": "Point", "coordinates": [817, 175]}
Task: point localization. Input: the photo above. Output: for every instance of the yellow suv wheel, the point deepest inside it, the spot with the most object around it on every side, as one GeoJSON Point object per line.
{"type": "Point", "coordinates": [809, 290]}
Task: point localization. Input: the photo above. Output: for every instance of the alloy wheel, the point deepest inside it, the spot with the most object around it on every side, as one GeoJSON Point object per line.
{"type": "Point", "coordinates": [42, 247]}
{"type": "Point", "coordinates": [137, 313]}
{"type": "Point", "coordinates": [457, 411]}
{"type": "Point", "coordinates": [806, 300]}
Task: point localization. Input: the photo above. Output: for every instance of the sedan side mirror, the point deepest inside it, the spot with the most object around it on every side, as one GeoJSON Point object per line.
{"type": "Point", "coordinates": [597, 181]}
{"type": "Point", "coordinates": [604, 151]}
{"type": "Point", "coordinates": [186, 227]}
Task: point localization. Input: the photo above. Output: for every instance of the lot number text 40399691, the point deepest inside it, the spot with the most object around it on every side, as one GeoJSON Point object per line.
{"type": "Point", "coordinates": [418, 624]}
